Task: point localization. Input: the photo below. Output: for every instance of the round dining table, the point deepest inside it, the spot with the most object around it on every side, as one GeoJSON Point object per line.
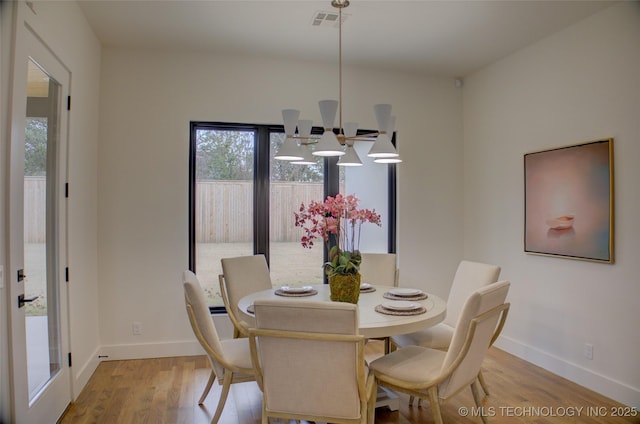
{"type": "Point", "coordinates": [373, 324]}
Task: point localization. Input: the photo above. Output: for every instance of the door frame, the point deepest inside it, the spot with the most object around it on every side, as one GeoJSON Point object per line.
{"type": "Point", "coordinates": [57, 394]}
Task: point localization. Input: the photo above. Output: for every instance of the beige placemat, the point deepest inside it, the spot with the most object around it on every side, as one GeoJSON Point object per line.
{"type": "Point", "coordinates": [381, 309]}
{"type": "Point", "coordinates": [389, 295]}
{"type": "Point", "coordinates": [289, 294]}
{"type": "Point", "coordinates": [368, 290]}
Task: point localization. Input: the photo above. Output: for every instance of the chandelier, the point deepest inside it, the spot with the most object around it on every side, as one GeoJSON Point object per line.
{"type": "Point", "coordinates": [300, 147]}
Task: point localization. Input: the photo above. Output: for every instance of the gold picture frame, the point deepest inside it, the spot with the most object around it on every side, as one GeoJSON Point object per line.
{"type": "Point", "coordinates": [569, 202]}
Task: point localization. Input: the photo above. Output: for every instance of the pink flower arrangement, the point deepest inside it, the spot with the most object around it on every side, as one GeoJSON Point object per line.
{"type": "Point", "coordinates": [340, 217]}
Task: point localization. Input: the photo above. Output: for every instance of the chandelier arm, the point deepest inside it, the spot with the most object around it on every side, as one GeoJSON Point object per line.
{"type": "Point", "coordinates": [313, 139]}
{"type": "Point", "coordinates": [368, 136]}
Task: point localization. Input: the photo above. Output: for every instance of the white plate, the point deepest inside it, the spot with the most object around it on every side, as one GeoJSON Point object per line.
{"type": "Point", "coordinates": [401, 305]}
{"type": "Point", "coordinates": [405, 292]}
{"type": "Point", "coordinates": [365, 286]}
{"type": "Point", "coordinates": [303, 289]}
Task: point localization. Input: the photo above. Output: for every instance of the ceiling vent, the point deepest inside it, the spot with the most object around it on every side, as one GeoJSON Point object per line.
{"type": "Point", "coordinates": [323, 18]}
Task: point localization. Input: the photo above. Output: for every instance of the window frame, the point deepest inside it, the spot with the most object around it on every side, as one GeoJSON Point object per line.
{"type": "Point", "coordinates": [261, 186]}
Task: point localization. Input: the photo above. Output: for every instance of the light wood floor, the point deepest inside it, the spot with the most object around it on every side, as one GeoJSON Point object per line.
{"type": "Point", "coordinates": [166, 390]}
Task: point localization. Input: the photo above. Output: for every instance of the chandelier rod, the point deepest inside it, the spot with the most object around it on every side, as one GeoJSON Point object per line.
{"type": "Point", "coordinates": [340, 6]}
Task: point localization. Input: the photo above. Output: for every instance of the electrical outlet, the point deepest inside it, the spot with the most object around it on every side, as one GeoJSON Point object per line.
{"type": "Point", "coordinates": [588, 351]}
{"type": "Point", "coordinates": [136, 328]}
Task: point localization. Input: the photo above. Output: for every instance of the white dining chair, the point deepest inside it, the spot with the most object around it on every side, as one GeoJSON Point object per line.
{"type": "Point", "coordinates": [439, 375]}
{"type": "Point", "coordinates": [309, 362]}
{"type": "Point", "coordinates": [241, 276]}
{"type": "Point", "coordinates": [379, 269]}
{"type": "Point", "coordinates": [230, 360]}
{"type": "Point", "coordinates": [469, 276]}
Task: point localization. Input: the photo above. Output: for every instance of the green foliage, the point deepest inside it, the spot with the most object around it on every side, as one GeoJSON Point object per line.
{"type": "Point", "coordinates": [228, 155]}
{"type": "Point", "coordinates": [35, 147]}
{"type": "Point", "coordinates": [282, 170]}
{"type": "Point", "coordinates": [342, 262]}
{"type": "Point", "coordinates": [224, 155]}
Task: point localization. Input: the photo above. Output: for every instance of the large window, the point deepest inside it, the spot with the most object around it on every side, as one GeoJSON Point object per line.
{"type": "Point", "coordinates": [242, 202]}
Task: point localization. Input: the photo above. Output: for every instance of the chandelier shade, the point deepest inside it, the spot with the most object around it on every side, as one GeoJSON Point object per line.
{"type": "Point", "coordinates": [328, 145]}
{"type": "Point", "coordinates": [350, 157]}
{"type": "Point", "coordinates": [388, 160]}
{"type": "Point", "coordinates": [307, 158]}
{"type": "Point", "coordinates": [289, 150]}
{"type": "Point", "coordinates": [290, 120]}
{"type": "Point", "coordinates": [304, 132]}
{"type": "Point", "coordinates": [337, 141]}
{"type": "Point", "coordinates": [383, 148]}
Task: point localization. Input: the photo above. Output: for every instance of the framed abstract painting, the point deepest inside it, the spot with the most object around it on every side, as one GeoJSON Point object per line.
{"type": "Point", "coordinates": [569, 201]}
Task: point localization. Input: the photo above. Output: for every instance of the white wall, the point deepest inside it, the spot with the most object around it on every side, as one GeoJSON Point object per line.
{"type": "Point", "coordinates": [149, 98]}
{"type": "Point", "coordinates": [578, 85]}
{"type": "Point", "coordinates": [64, 29]}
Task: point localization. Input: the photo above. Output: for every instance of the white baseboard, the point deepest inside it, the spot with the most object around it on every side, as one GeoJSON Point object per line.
{"type": "Point", "coordinates": [151, 350]}
{"type": "Point", "coordinates": [601, 384]}
{"type": "Point", "coordinates": [160, 350]}
{"type": "Point", "coordinates": [81, 378]}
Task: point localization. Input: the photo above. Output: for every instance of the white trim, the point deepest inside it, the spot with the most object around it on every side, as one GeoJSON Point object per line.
{"type": "Point", "coordinates": [151, 350]}
{"type": "Point", "coordinates": [81, 378]}
{"type": "Point", "coordinates": [616, 390]}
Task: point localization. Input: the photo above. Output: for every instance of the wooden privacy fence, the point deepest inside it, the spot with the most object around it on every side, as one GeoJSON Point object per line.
{"type": "Point", "coordinates": [35, 207]}
{"type": "Point", "coordinates": [223, 210]}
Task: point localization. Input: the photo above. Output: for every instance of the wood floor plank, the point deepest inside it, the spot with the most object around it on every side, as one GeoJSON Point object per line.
{"type": "Point", "coordinates": [166, 391]}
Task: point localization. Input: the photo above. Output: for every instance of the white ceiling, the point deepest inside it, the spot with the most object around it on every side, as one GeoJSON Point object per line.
{"type": "Point", "coordinates": [447, 38]}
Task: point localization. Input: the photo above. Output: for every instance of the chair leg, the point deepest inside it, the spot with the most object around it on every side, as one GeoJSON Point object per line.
{"type": "Point", "coordinates": [435, 405]}
{"type": "Point", "coordinates": [371, 404]}
{"type": "Point", "coordinates": [212, 378]}
{"type": "Point", "coordinates": [412, 398]}
{"type": "Point", "coordinates": [265, 419]}
{"type": "Point", "coordinates": [476, 398]}
{"type": "Point", "coordinates": [371, 413]}
{"type": "Point", "coordinates": [485, 389]}
{"type": "Point", "coordinates": [226, 385]}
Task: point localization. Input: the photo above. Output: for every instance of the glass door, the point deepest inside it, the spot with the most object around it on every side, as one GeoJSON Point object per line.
{"type": "Point", "coordinates": [39, 340]}
{"type": "Point", "coordinates": [41, 306]}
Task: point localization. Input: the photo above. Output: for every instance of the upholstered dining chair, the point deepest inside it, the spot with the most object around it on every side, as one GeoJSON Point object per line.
{"type": "Point", "coordinates": [468, 277]}
{"type": "Point", "coordinates": [241, 276]}
{"type": "Point", "coordinates": [379, 269]}
{"type": "Point", "coordinates": [230, 359]}
{"type": "Point", "coordinates": [438, 375]}
{"type": "Point", "coordinates": [240, 327]}
{"type": "Point", "coordinates": [309, 362]}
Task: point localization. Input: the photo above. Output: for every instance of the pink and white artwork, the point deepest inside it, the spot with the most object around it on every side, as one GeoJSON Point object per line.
{"type": "Point", "coordinates": [569, 201]}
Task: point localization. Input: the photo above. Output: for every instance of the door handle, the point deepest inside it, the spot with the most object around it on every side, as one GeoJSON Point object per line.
{"type": "Point", "coordinates": [22, 300]}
